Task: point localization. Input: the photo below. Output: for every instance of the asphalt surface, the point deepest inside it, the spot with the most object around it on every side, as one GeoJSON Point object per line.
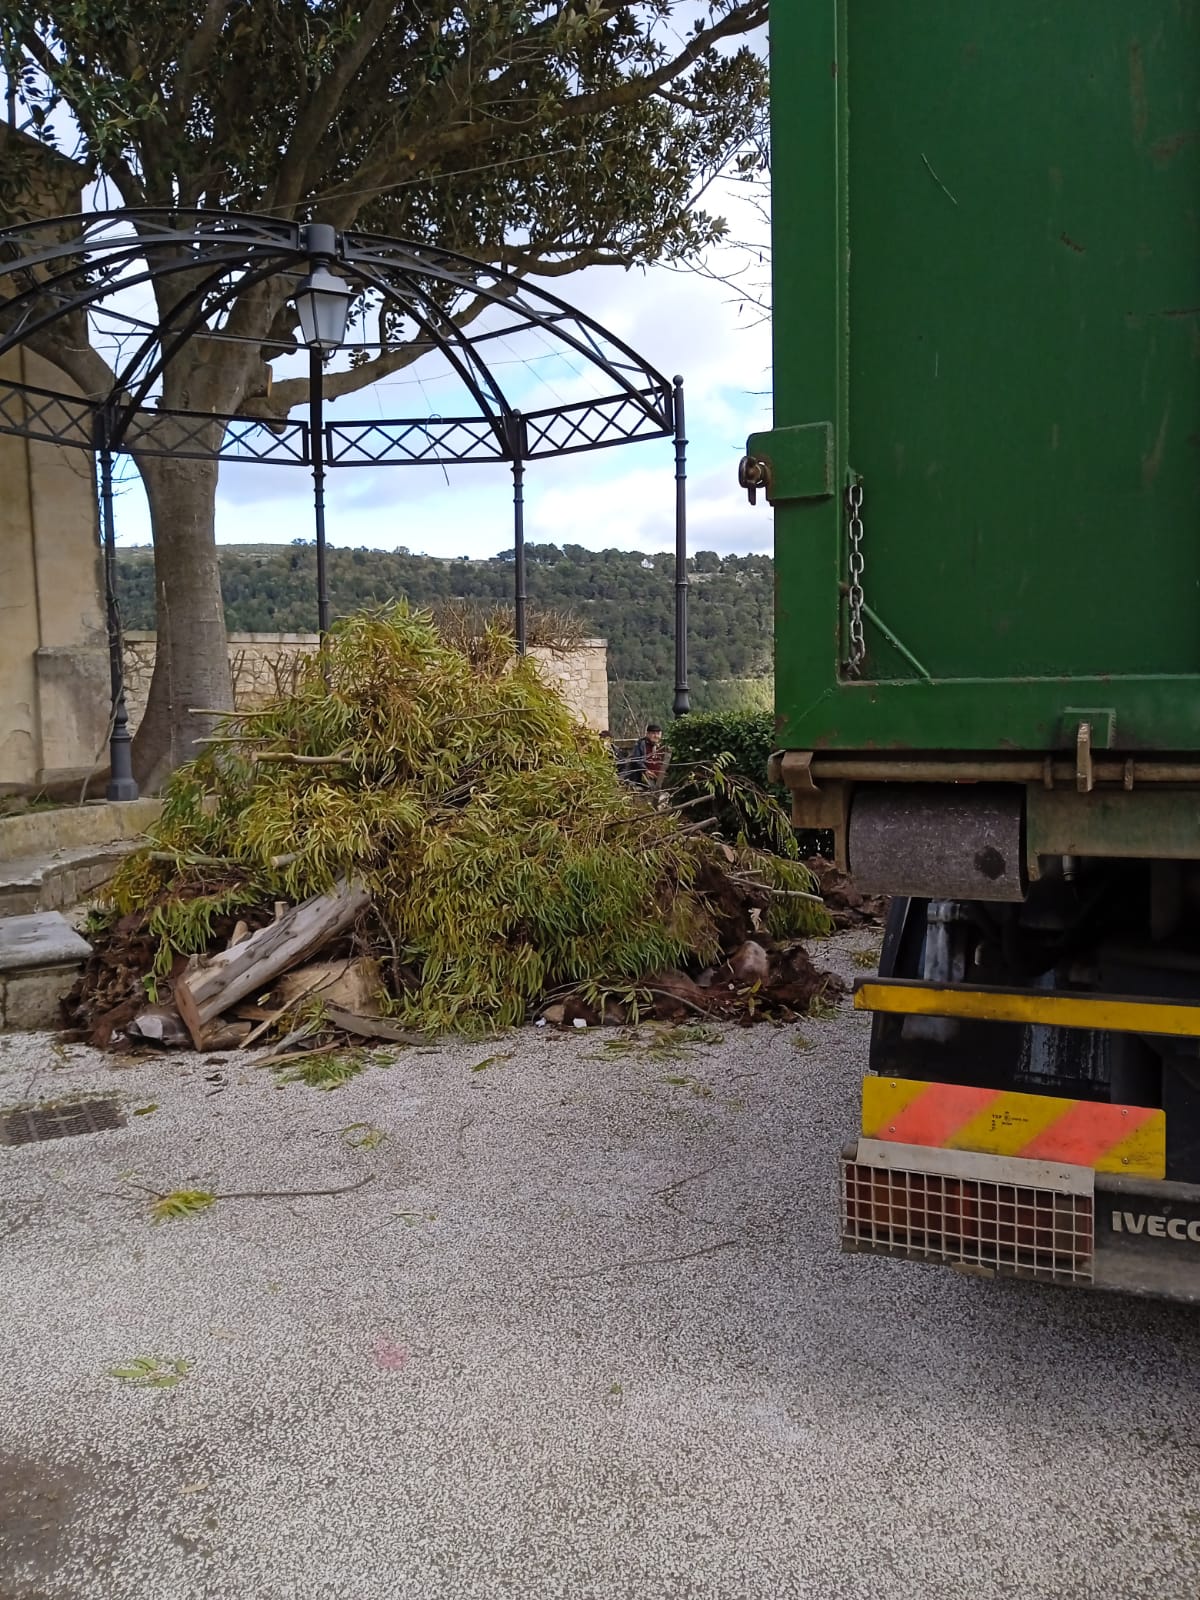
{"type": "Point", "coordinates": [586, 1334]}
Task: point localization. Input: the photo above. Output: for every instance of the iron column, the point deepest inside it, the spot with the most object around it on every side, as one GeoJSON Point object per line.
{"type": "Point", "coordinates": [121, 782]}
{"type": "Point", "coordinates": [316, 434]}
{"type": "Point", "coordinates": [518, 472]}
{"type": "Point", "coordinates": [683, 700]}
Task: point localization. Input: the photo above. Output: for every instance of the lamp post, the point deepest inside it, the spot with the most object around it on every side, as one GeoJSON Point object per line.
{"type": "Point", "coordinates": [121, 782]}
{"type": "Point", "coordinates": [323, 307]}
{"type": "Point", "coordinates": [517, 446]}
{"type": "Point", "coordinates": [683, 699]}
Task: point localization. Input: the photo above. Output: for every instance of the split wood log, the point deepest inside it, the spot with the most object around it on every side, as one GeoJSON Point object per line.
{"type": "Point", "coordinates": [219, 981]}
{"type": "Point", "coordinates": [354, 984]}
{"type": "Point", "coordinates": [298, 986]}
{"type": "Point", "coordinates": [373, 1027]}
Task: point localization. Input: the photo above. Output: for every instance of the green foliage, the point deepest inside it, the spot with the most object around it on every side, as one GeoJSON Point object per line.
{"type": "Point", "coordinates": [661, 1044]}
{"type": "Point", "coordinates": [747, 737]}
{"type": "Point", "coordinates": [683, 1080]}
{"type": "Point", "coordinates": [504, 857]}
{"type": "Point", "coordinates": [152, 1372]}
{"type": "Point", "coordinates": [796, 911]}
{"type": "Point", "coordinates": [186, 925]}
{"type": "Point", "coordinates": [180, 1203]}
{"type": "Point", "coordinates": [491, 1061]}
{"type": "Point", "coordinates": [362, 1136]}
{"type": "Point", "coordinates": [607, 594]}
{"type": "Point", "coordinates": [98, 921]}
{"type": "Point", "coordinates": [444, 121]}
{"type": "Point", "coordinates": [328, 1069]}
{"type": "Point", "coordinates": [722, 757]}
{"type": "Point", "coordinates": [737, 746]}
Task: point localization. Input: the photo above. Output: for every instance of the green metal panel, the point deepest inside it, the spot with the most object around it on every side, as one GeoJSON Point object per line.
{"type": "Point", "coordinates": [1149, 824]}
{"type": "Point", "coordinates": [987, 275]}
{"type": "Point", "coordinates": [800, 463]}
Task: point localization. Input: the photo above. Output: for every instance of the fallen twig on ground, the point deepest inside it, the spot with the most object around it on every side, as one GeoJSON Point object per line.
{"type": "Point", "coordinates": [193, 1200]}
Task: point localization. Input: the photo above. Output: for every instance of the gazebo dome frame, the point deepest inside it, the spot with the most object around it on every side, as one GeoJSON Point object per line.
{"type": "Point", "coordinates": [76, 266]}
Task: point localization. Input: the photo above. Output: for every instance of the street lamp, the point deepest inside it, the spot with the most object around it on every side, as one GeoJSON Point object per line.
{"type": "Point", "coordinates": [322, 304]}
{"type": "Point", "coordinates": [683, 695]}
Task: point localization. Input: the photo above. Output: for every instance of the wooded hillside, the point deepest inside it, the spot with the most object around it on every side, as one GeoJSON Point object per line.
{"type": "Point", "coordinates": [619, 595]}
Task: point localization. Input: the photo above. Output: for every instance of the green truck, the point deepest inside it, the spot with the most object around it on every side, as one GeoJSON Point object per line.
{"type": "Point", "coordinates": [985, 475]}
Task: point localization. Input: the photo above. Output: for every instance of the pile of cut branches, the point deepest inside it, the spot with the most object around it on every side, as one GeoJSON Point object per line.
{"type": "Point", "coordinates": [847, 906]}
{"type": "Point", "coordinates": [433, 824]}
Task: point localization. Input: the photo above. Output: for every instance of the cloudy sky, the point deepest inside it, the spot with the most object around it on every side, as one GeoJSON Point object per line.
{"type": "Point", "coordinates": [679, 321]}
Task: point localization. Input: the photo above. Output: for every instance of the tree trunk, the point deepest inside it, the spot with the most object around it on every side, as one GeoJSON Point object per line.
{"type": "Point", "coordinates": [191, 664]}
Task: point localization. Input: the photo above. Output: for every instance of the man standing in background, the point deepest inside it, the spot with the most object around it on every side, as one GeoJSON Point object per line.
{"type": "Point", "coordinates": [648, 760]}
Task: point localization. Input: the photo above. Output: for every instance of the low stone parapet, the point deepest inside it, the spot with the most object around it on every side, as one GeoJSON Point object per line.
{"type": "Point", "coordinates": [266, 665]}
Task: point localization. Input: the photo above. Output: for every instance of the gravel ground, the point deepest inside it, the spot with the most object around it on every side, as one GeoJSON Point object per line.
{"type": "Point", "coordinates": [587, 1334]}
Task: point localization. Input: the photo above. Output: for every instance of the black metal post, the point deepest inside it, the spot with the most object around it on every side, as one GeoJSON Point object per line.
{"type": "Point", "coordinates": [518, 472]}
{"type": "Point", "coordinates": [121, 782]}
{"type": "Point", "coordinates": [316, 435]}
{"type": "Point", "coordinates": [683, 699]}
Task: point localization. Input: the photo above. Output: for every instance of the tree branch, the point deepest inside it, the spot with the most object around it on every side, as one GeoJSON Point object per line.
{"type": "Point", "coordinates": [317, 113]}
{"type": "Point", "coordinates": [744, 19]}
{"type": "Point", "coordinates": [85, 367]}
{"type": "Point", "coordinates": [294, 391]}
{"type": "Point", "coordinates": [198, 52]}
{"type": "Point", "coordinates": [548, 262]}
{"type": "Point", "coordinates": [132, 190]}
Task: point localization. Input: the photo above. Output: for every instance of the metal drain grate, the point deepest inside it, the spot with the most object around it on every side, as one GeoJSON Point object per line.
{"type": "Point", "coordinates": [33, 1124]}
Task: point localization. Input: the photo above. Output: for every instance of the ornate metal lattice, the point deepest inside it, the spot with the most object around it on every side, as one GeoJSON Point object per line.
{"type": "Point", "coordinates": [143, 283]}
{"type": "Point", "coordinates": [133, 288]}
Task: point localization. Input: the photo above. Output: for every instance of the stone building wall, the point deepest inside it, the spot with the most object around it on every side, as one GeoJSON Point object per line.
{"type": "Point", "coordinates": [581, 677]}
{"type": "Point", "coordinates": [264, 665]}
{"type": "Point", "coordinates": [54, 681]}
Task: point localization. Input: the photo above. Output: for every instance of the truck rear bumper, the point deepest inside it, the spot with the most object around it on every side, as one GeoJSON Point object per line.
{"type": "Point", "coordinates": [999, 1216]}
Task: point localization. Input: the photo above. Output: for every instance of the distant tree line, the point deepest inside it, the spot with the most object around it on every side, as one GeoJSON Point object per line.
{"type": "Point", "coordinates": [619, 595]}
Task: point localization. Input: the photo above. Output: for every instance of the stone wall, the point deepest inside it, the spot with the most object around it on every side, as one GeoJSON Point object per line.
{"type": "Point", "coordinates": [53, 656]}
{"type": "Point", "coordinates": [264, 665]}
{"type": "Point", "coordinates": [581, 677]}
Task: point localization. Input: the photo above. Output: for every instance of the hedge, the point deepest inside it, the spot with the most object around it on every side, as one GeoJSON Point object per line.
{"type": "Point", "coordinates": [749, 738]}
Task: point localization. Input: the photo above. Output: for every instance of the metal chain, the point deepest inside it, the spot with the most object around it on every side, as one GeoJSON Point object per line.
{"type": "Point", "coordinates": [858, 646]}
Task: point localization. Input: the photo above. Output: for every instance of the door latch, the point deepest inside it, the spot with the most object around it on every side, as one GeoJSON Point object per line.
{"type": "Point", "coordinates": [753, 475]}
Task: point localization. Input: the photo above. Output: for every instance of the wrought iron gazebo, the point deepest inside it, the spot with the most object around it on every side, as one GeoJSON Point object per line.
{"type": "Point", "coordinates": [410, 301]}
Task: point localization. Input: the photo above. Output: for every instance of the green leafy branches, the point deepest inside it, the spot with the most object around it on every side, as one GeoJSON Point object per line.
{"type": "Point", "coordinates": [504, 858]}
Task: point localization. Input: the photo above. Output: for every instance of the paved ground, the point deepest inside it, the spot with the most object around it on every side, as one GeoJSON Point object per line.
{"type": "Point", "coordinates": [586, 1335]}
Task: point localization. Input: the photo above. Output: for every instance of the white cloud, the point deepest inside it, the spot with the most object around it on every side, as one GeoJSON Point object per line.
{"type": "Point", "coordinates": [676, 320]}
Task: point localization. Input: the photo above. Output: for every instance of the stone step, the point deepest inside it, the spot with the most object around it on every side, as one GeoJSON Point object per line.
{"type": "Point", "coordinates": [40, 957]}
{"type": "Point", "coordinates": [99, 822]}
{"type": "Point", "coordinates": [57, 881]}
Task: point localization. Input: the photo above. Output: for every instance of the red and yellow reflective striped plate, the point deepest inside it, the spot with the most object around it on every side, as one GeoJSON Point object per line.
{"type": "Point", "coordinates": [1002, 1122]}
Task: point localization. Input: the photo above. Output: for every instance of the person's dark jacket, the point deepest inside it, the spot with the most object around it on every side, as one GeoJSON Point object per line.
{"type": "Point", "coordinates": [636, 764]}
